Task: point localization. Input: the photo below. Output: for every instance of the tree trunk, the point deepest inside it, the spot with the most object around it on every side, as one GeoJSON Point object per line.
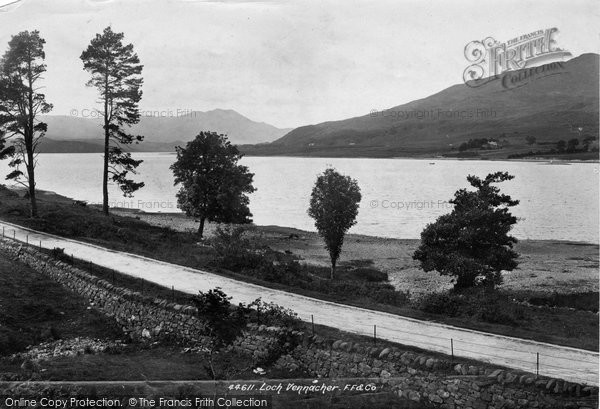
{"type": "Point", "coordinates": [332, 272]}
{"type": "Point", "coordinates": [201, 227]}
{"type": "Point", "coordinates": [29, 135]}
{"type": "Point", "coordinates": [106, 145]}
{"type": "Point", "coordinates": [105, 173]}
{"type": "Point", "coordinates": [31, 180]}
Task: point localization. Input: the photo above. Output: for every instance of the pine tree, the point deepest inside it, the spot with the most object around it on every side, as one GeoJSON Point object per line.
{"type": "Point", "coordinates": [21, 102]}
{"type": "Point", "coordinates": [116, 73]}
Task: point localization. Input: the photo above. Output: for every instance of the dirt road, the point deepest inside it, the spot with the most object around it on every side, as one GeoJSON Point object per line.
{"type": "Point", "coordinates": [557, 361]}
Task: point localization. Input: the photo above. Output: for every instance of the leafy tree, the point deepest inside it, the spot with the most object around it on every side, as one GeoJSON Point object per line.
{"type": "Point", "coordinates": [561, 146]}
{"type": "Point", "coordinates": [21, 101]}
{"type": "Point", "coordinates": [222, 322]}
{"type": "Point", "coordinates": [334, 206]}
{"type": "Point", "coordinates": [214, 186]}
{"type": "Point", "coordinates": [116, 73]}
{"type": "Point", "coordinates": [572, 145]}
{"type": "Point", "coordinates": [472, 243]}
{"type": "Point", "coordinates": [530, 139]}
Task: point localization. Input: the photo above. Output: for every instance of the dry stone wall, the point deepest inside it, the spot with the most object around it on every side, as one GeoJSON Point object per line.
{"type": "Point", "coordinates": [139, 315]}
{"type": "Point", "coordinates": [436, 382]}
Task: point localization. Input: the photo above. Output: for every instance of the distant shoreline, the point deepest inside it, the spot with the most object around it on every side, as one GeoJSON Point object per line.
{"type": "Point", "coordinates": [559, 161]}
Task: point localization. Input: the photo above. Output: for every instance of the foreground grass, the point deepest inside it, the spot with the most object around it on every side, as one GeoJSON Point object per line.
{"type": "Point", "coordinates": [561, 326]}
{"type": "Point", "coordinates": [35, 309]}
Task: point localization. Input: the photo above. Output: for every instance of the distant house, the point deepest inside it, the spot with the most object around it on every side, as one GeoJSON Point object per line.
{"type": "Point", "coordinates": [491, 145]}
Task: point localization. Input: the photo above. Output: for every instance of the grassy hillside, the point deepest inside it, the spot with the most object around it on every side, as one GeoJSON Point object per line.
{"type": "Point", "coordinates": [562, 105]}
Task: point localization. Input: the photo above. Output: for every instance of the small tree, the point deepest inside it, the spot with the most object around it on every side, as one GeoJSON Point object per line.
{"type": "Point", "coordinates": [561, 146]}
{"type": "Point", "coordinates": [530, 139]}
{"type": "Point", "coordinates": [472, 243]}
{"type": "Point", "coordinates": [214, 186]}
{"type": "Point", "coordinates": [334, 206]}
{"type": "Point", "coordinates": [116, 73]}
{"type": "Point", "coordinates": [222, 322]}
{"type": "Point", "coordinates": [21, 68]}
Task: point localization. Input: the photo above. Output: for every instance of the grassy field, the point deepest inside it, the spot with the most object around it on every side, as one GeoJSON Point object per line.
{"type": "Point", "coordinates": [560, 325]}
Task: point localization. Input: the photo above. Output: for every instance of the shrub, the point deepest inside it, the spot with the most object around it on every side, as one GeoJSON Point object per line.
{"type": "Point", "coordinates": [59, 254]}
{"type": "Point", "coordinates": [272, 314]}
{"type": "Point", "coordinates": [286, 339]}
{"type": "Point", "coordinates": [223, 322]}
{"type": "Point", "coordinates": [444, 303]}
{"type": "Point", "coordinates": [587, 301]}
{"type": "Point", "coordinates": [234, 251]}
{"type": "Point", "coordinates": [497, 313]}
{"type": "Point", "coordinates": [492, 307]}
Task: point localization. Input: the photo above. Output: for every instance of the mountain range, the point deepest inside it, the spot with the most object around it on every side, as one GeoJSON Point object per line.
{"type": "Point", "coordinates": [161, 133]}
{"type": "Point", "coordinates": [556, 101]}
{"type": "Point", "coordinates": [553, 102]}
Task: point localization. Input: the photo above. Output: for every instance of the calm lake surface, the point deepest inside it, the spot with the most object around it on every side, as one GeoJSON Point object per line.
{"type": "Point", "coordinates": [400, 196]}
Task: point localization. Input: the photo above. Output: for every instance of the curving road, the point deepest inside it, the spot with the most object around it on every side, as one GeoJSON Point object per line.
{"type": "Point", "coordinates": [571, 364]}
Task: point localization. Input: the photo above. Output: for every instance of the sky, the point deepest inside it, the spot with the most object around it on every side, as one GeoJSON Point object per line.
{"type": "Point", "coordinates": [286, 63]}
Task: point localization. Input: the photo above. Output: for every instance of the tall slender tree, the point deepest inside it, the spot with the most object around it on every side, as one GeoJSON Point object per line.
{"type": "Point", "coordinates": [116, 73]}
{"type": "Point", "coordinates": [334, 204]}
{"type": "Point", "coordinates": [21, 101]}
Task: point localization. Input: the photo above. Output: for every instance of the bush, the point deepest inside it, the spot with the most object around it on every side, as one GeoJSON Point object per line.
{"type": "Point", "coordinates": [500, 313]}
{"type": "Point", "coordinates": [492, 307]}
{"type": "Point", "coordinates": [271, 314]}
{"type": "Point", "coordinates": [587, 301]}
{"type": "Point", "coordinates": [312, 278]}
{"type": "Point", "coordinates": [234, 251]}
{"type": "Point", "coordinates": [59, 254]}
{"type": "Point", "coordinates": [445, 303]}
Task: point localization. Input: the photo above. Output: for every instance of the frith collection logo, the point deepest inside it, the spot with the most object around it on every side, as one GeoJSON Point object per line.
{"type": "Point", "coordinates": [532, 55]}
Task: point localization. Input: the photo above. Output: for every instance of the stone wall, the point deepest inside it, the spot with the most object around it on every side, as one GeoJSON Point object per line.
{"type": "Point", "coordinates": [138, 315]}
{"type": "Point", "coordinates": [430, 380]}
{"type": "Point", "coordinates": [437, 382]}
